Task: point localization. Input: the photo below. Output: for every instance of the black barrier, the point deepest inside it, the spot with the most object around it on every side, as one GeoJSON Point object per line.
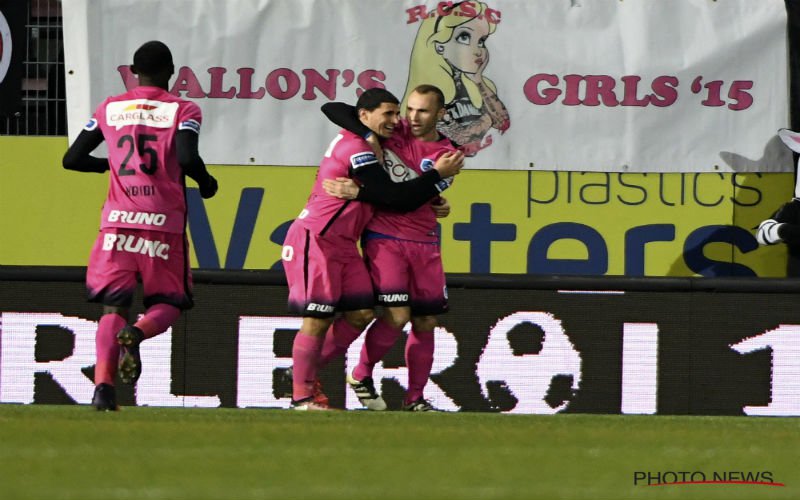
{"type": "Point", "coordinates": [511, 343]}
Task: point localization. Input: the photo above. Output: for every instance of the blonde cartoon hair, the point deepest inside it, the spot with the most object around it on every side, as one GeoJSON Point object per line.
{"type": "Point", "coordinates": [429, 67]}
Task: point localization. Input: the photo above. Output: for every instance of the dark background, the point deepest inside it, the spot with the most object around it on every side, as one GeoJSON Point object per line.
{"type": "Point", "coordinates": [698, 319]}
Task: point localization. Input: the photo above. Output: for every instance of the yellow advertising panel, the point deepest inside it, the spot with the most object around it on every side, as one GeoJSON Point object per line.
{"type": "Point", "coordinates": [636, 224]}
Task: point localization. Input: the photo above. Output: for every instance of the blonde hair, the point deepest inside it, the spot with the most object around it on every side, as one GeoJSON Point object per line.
{"type": "Point", "coordinates": [429, 67]}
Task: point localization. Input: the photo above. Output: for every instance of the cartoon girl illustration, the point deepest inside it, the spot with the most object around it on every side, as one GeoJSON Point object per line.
{"type": "Point", "coordinates": [450, 52]}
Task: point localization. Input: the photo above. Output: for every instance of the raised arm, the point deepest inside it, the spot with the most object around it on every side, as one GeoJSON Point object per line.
{"type": "Point", "coordinates": [344, 115]}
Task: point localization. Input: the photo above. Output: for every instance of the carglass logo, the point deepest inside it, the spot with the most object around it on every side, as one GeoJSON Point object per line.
{"type": "Point", "coordinates": [141, 112]}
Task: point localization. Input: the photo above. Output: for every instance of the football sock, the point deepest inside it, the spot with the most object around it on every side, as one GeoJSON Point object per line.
{"type": "Point", "coordinates": [337, 339]}
{"type": "Point", "coordinates": [380, 337]}
{"type": "Point", "coordinates": [305, 356]}
{"type": "Point", "coordinates": [107, 348]}
{"type": "Point", "coordinates": [157, 319]}
{"type": "Point", "coordinates": [419, 360]}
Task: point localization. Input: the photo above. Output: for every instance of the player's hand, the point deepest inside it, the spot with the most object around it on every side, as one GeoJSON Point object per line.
{"type": "Point", "coordinates": [441, 207]}
{"type": "Point", "coordinates": [374, 142]}
{"type": "Point", "coordinates": [342, 187]}
{"type": "Point", "coordinates": [450, 164]}
{"type": "Point", "coordinates": [209, 189]}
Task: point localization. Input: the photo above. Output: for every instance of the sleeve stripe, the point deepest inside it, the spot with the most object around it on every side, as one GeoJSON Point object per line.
{"type": "Point", "coordinates": [190, 124]}
{"type": "Point", "coordinates": [363, 159]}
{"type": "Point", "coordinates": [768, 232]}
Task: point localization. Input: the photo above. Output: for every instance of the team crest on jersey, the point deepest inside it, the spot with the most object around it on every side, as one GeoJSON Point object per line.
{"type": "Point", "coordinates": [359, 160]}
{"type": "Point", "coordinates": [141, 112]}
{"type": "Point", "coordinates": [91, 125]}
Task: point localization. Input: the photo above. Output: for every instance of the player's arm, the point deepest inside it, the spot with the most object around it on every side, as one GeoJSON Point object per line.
{"type": "Point", "coordinates": [377, 187]}
{"type": "Point", "coordinates": [78, 156]}
{"type": "Point", "coordinates": [783, 226]}
{"type": "Point", "coordinates": [186, 142]}
{"type": "Point", "coordinates": [345, 116]}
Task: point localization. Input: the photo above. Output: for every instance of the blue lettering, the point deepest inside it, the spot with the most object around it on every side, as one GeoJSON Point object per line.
{"type": "Point", "coordinates": [481, 232]}
{"type": "Point", "coordinates": [702, 265]}
{"type": "Point", "coordinates": [243, 226]}
{"type": "Point", "coordinates": [539, 263]}
{"type": "Point", "coordinates": [635, 240]}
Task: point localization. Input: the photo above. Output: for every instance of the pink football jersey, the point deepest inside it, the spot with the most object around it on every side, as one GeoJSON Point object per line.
{"type": "Point", "coordinates": [146, 189]}
{"type": "Point", "coordinates": [406, 158]}
{"type": "Point", "coordinates": [333, 217]}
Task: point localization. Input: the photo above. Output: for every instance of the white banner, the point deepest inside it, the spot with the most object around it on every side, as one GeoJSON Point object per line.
{"type": "Point", "coordinates": [585, 85]}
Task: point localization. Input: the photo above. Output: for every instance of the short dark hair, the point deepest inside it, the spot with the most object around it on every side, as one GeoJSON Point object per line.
{"type": "Point", "coordinates": [372, 98]}
{"type": "Point", "coordinates": [431, 89]}
{"type": "Point", "coordinates": [152, 58]}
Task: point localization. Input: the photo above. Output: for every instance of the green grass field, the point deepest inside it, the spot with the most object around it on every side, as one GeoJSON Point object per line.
{"type": "Point", "coordinates": [73, 452]}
